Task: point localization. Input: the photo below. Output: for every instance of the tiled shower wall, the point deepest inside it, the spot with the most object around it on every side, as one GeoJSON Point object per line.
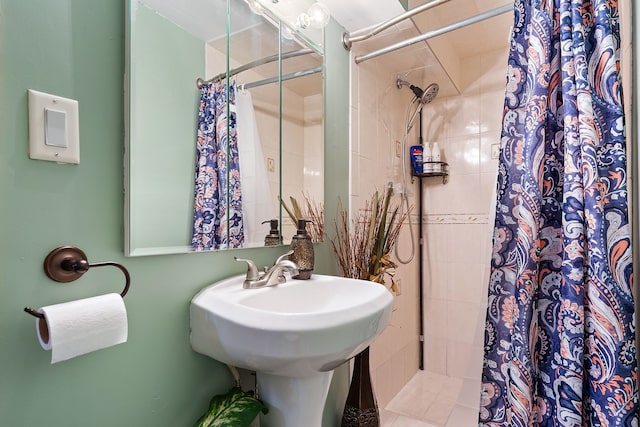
{"type": "Point", "coordinates": [457, 216]}
{"type": "Point", "coordinates": [458, 221]}
{"type": "Point", "coordinates": [377, 117]}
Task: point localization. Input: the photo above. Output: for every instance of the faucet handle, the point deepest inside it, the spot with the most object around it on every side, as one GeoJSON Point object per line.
{"type": "Point", "coordinates": [282, 257]}
{"type": "Point", "coordinates": [252, 269]}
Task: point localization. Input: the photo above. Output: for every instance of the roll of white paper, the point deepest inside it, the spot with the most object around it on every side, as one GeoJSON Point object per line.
{"type": "Point", "coordinates": [78, 327]}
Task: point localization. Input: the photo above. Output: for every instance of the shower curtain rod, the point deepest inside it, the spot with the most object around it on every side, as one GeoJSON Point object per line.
{"type": "Point", "coordinates": [283, 78]}
{"type": "Point", "coordinates": [455, 26]}
{"type": "Point", "coordinates": [253, 64]}
{"type": "Point", "coordinates": [363, 34]}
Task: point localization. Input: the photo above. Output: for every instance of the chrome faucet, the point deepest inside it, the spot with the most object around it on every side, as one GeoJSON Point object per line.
{"type": "Point", "coordinates": [272, 276]}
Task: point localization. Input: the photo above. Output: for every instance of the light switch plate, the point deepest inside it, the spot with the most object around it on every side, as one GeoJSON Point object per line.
{"type": "Point", "coordinates": [38, 147]}
{"type": "Point", "coordinates": [495, 151]}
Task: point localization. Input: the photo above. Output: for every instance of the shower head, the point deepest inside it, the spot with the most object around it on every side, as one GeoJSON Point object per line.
{"type": "Point", "coordinates": [430, 93]}
{"type": "Point", "coordinates": [424, 96]}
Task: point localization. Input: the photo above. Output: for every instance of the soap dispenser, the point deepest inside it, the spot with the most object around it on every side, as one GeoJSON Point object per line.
{"type": "Point", "coordinates": [273, 238]}
{"type": "Point", "coordinates": [302, 248]}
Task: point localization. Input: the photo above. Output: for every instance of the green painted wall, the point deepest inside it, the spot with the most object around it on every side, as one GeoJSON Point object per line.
{"type": "Point", "coordinates": [165, 60]}
{"type": "Point", "coordinates": [75, 49]}
{"type": "Point", "coordinates": [336, 178]}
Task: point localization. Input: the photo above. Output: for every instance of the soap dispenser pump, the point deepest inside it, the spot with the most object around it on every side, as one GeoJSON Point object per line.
{"type": "Point", "coordinates": [273, 238]}
{"type": "Point", "coordinates": [302, 251]}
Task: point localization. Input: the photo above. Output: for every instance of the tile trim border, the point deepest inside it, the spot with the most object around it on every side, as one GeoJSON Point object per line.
{"type": "Point", "coordinates": [456, 219]}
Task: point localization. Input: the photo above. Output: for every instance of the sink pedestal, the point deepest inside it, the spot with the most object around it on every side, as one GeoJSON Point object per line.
{"type": "Point", "coordinates": [293, 401]}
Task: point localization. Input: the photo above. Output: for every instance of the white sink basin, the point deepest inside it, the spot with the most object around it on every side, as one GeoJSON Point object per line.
{"type": "Point", "coordinates": [293, 335]}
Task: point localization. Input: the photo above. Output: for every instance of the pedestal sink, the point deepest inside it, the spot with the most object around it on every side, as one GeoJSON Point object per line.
{"type": "Point", "coordinates": [293, 335]}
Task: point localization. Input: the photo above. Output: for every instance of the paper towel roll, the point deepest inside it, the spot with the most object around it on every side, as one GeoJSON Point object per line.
{"type": "Point", "coordinates": [78, 327]}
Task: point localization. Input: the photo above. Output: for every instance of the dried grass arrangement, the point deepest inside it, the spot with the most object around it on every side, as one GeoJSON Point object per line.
{"type": "Point", "coordinates": [310, 210]}
{"type": "Point", "coordinates": [363, 245]}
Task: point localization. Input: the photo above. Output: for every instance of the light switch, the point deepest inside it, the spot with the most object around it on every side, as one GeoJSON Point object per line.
{"type": "Point", "coordinates": [53, 128]}
{"type": "Point", "coordinates": [495, 151]}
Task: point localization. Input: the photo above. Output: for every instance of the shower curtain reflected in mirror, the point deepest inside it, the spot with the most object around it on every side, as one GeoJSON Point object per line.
{"type": "Point", "coordinates": [559, 337]}
{"type": "Point", "coordinates": [217, 218]}
{"type": "Point", "coordinates": [258, 203]}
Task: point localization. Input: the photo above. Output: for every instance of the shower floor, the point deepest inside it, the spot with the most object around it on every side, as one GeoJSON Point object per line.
{"type": "Point", "coordinates": [433, 400]}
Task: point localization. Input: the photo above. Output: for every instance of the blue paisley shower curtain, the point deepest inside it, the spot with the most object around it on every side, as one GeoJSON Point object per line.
{"type": "Point", "coordinates": [559, 337]}
{"type": "Point", "coordinates": [217, 217]}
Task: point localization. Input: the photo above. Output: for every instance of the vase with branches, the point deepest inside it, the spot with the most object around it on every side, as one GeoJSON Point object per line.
{"type": "Point", "coordinates": [363, 246]}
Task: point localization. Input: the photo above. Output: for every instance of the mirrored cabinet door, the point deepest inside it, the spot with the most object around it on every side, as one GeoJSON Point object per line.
{"type": "Point", "coordinates": [302, 145]}
{"type": "Point", "coordinates": [224, 121]}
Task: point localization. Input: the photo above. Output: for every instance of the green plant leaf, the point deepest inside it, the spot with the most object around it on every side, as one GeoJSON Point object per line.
{"type": "Point", "coordinates": [234, 409]}
{"type": "Point", "coordinates": [291, 214]}
{"type": "Point", "coordinates": [296, 208]}
{"type": "Point", "coordinates": [373, 220]}
{"type": "Point", "coordinates": [381, 236]}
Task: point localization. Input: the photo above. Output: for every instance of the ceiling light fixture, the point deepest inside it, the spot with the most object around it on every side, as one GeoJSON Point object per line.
{"type": "Point", "coordinates": [317, 16]}
{"type": "Point", "coordinates": [255, 7]}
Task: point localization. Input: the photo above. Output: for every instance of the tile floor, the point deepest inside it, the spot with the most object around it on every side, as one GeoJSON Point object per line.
{"type": "Point", "coordinates": [430, 400]}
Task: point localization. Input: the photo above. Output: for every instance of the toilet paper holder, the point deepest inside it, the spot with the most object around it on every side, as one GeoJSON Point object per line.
{"type": "Point", "coordinates": [67, 263]}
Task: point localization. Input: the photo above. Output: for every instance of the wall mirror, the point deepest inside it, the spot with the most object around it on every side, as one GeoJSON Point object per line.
{"type": "Point", "coordinates": [274, 72]}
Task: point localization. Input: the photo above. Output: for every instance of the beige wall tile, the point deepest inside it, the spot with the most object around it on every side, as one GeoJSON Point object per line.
{"type": "Point", "coordinates": [464, 282]}
{"type": "Point", "coordinates": [489, 140]}
{"type": "Point", "coordinates": [471, 77]}
{"type": "Point", "coordinates": [435, 355]}
{"type": "Point", "coordinates": [411, 360]}
{"type": "Point", "coordinates": [494, 71]}
{"type": "Point", "coordinates": [435, 319]}
{"type": "Point", "coordinates": [491, 111]}
{"type": "Point", "coordinates": [461, 323]}
{"type": "Point", "coordinates": [463, 155]}
{"type": "Point", "coordinates": [466, 242]}
{"type": "Point", "coordinates": [383, 385]}
{"type": "Point", "coordinates": [437, 244]}
{"type": "Point", "coordinates": [434, 121]}
{"type": "Point", "coordinates": [488, 183]}
{"type": "Point", "coordinates": [463, 115]}
{"type": "Point", "coordinates": [459, 195]}
{"type": "Point", "coordinates": [436, 283]}
{"type": "Point", "coordinates": [455, 254]}
{"type": "Point", "coordinates": [458, 355]}
{"type": "Point", "coordinates": [473, 370]}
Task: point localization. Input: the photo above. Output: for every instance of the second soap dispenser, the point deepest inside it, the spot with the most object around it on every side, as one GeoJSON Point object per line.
{"type": "Point", "coordinates": [273, 238]}
{"type": "Point", "coordinates": [302, 248]}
